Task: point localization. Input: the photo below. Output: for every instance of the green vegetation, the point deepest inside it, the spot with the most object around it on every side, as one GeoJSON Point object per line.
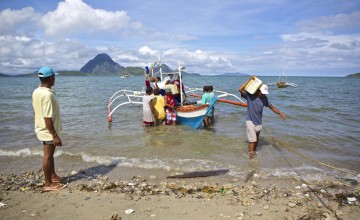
{"type": "Point", "coordinates": [133, 71]}
{"type": "Point", "coordinates": [354, 75]}
{"type": "Point", "coordinates": [71, 73]}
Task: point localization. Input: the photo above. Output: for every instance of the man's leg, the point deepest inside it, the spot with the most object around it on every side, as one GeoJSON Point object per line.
{"type": "Point", "coordinates": [257, 140]}
{"type": "Point", "coordinates": [48, 163]}
{"type": "Point", "coordinates": [252, 147]}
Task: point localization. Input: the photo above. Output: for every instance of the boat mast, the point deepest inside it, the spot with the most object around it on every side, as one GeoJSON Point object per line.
{"type": "Point", "coordinates": [181, 91]}
{"type": "Point", "coordinates": [160, 66]}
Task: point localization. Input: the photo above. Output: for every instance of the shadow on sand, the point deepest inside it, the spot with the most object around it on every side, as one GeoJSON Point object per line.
{"type": "Point", "coordinates": [91, 172]}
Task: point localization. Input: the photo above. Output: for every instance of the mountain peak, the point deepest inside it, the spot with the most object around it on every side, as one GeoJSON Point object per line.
{"type": "Point", "coordinates": [103, 64]}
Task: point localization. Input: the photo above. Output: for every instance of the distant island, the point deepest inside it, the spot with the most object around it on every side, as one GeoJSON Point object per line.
{"type": "Point", "coordinates": [234, 74]}
{"type": "Point", "coordinates": [103, 65]}
{"type": "Point", "coordinates": [354, 75]}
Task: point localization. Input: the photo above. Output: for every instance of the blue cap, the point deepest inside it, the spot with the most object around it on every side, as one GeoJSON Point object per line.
{"type": "Point", "coordinates": [46, 72]}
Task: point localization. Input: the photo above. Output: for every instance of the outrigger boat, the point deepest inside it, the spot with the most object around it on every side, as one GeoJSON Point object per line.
{"type": "Point", "coordinates": [282, 83]}
{"type": "Point", "coordinates": [186, 114]}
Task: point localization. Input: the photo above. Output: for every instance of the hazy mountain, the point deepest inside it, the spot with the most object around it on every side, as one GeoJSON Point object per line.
{"type": "Point", "coordinates": [102, 64]}
{"type": "Point", "coordinates": [1, 75]}
{"type": "Point", "coordinates": [354, 75]}
{"type": "Point", "coordinates": [235, 74]}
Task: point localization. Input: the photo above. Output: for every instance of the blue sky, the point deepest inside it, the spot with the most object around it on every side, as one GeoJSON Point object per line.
{"type": "Point", "coordinates": [260, 37]}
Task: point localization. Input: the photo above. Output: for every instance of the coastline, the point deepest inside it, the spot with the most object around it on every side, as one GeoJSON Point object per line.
{"type": "Point", "coordinates": [106, 192]}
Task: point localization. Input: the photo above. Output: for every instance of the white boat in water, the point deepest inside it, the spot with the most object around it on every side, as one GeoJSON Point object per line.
{"type": "Point", "coordinates": [187, 114]}
{"type": "Point", "coordinates": [126, 75]}
{"type": "Point", "coordinates": [283, 83]}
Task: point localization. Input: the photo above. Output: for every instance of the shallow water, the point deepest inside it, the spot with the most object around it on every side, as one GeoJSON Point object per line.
{"type": "Point", "coordinates": [322, 123]}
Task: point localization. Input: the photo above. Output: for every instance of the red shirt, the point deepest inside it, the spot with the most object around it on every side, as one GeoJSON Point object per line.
{"type": "Point", "coordinates": [169, 100]}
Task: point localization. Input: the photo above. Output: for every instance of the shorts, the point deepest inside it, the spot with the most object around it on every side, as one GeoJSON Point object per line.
{"type": "Point", "coordinates": [146, 123]}
{"type": "Point", "coordinates": [47, 142]}
{"type": "Point", "coordinates": [170, 116]}
{"type": "Point", "coordinates": [252, 130]}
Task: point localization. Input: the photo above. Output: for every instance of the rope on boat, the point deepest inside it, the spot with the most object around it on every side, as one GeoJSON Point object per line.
{"type": "Point", "coordinates": [308, 158]}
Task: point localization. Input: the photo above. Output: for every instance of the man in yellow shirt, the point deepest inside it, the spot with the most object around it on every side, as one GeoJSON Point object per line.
{"type": "Point", "coordinates": [159, 107]}
{"type": "Point", "coordinates": [48, 125]}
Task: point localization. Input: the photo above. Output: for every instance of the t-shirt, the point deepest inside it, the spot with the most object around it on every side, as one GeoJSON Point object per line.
{"type": "Point", "coordinates": [206, 99]}
{"type": "Point", "coordinates": [255, 106]}
{"type": "Point", "coordinates": [212, 94]}
{"type": "Point", "coordinates": [166, 80]}
{"type": "Point", "coordinates": [170, 100]}
{"type": "Point", "coordinates": [46, 105]}
{"type": "Point", "coordinates": [159, 107]}
{"type": "Point", "coordinates": [160, 85]}
{"type": "Point", "coordinates": [147, 83]}
{"type": "Point", "coordinates": [147, 114]}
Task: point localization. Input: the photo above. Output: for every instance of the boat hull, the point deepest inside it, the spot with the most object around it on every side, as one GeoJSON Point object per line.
{"type": "Point", "coordinates": [281, 84]}
{"type": "Point", "coordinates": [193, 115]}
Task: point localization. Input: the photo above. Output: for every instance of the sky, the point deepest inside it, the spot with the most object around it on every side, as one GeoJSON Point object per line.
{"type": "Point", "coordinates": [257, 37]}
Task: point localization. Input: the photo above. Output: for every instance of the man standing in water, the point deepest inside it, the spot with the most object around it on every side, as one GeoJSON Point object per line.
{"type": "Point", "coordinates": [255, 106]}
{"type": "Point", "coordinates": [48, 125]}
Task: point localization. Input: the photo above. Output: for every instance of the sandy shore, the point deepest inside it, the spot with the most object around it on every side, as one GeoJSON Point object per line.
{"type": "Point", "coordinates": [107, 192]}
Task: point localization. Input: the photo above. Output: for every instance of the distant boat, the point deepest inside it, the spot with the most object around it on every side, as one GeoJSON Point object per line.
{"type": "Point", "coordinates": [126, 75]}
{"type": "Point", "coordinates": [282, 83]}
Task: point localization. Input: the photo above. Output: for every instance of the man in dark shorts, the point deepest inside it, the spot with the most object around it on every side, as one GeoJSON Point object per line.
{"type": "Point", "coordinates": [48, 126]}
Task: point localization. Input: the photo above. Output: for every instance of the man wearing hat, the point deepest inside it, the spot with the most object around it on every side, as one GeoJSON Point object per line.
{"type": "Point", "coordinates": [48, 125]}
{"type": "Point", "coordinates": [255, 106]}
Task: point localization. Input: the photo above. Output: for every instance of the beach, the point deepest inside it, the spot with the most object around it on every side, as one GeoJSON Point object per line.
{"type": "Point", "coordinates": [108, 192]}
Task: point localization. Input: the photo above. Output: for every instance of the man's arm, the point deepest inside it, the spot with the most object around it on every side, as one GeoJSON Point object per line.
{"type": "Point", "coordinates": [277, 111]}
{"type": "Point", "coordinates": [50, 126]}
{"type": "Point", "coordinates": [242, 87]}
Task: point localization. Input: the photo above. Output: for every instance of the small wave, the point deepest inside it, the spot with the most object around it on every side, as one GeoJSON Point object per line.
{"type": "Point", "coordinates": [309, 173]}
{"type": "Point", "coordinates": [181, 165]}
{"type": "Point", "coordinates": [322, 109]}
{"type": "Point", "coordinates": [21, 153]}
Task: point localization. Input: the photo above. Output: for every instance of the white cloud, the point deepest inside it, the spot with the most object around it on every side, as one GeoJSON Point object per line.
{"type": "Point", "coordinates": [75, 16]}
{"type": "Point", "coordinates": [145, 50]}
{"type": "Point", "coordinates": [323, 42]}
{"type": "Point", "coordinates": [75, 32]}
{"type": "Point", "coordinates": [15, 21]}
{"type": "Point", "coordinates": [339, 21]}
{"type": "Point", "coordinates": [320, 51]}
{"type": "Point", "coordinates": [22, 54]}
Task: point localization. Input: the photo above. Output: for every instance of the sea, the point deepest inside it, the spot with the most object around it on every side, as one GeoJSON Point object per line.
{"type": "Point", "coordinates": [322, 124]}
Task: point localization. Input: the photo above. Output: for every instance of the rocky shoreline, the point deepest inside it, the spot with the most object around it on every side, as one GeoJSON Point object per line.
{"type": "Point", "coordinates": [249, 199]}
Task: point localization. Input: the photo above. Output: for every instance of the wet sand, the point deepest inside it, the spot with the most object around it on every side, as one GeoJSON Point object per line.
{"type": "Point", "coordinates": [108, 192]}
